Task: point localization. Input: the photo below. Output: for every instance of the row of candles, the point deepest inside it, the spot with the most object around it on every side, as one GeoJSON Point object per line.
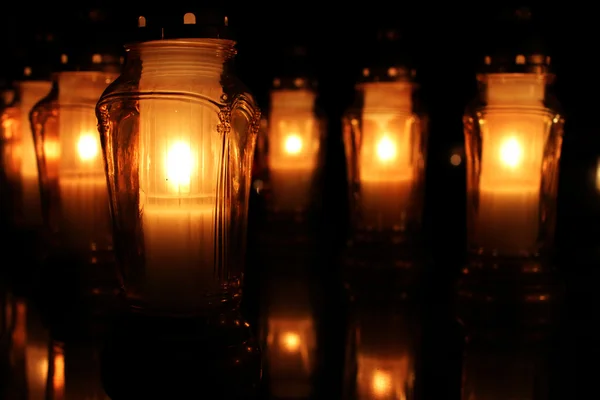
{"type": "Point", "coordinates": [178, 169]}
{"type": "Point", "coordinates": [165, 184]}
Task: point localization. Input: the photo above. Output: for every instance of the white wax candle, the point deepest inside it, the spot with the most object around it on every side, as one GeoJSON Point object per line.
{"type": "Point", "coordinates": [385, 161]}
{"type": "Point", "coordinates": [508, 219]}
{"type": "Point", "coordinates": [179, 243]}
{"type": "Point", "coordinates": [293, 148]}
{"type": "Point", "coordinates": [85, 216]}
{"type": "Point", "coordinates": [514, 131]}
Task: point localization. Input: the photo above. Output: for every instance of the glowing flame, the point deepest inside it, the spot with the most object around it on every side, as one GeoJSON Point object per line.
{"type": "Point", "coordinates": [291, 341]}
{"type": "Point", "coordinates": [87, 147]}
{"type": "Point", "coordinates": [382, 383]}
{"type": "Point", "coordinates": [511, 153]}
{"type": "Point", "coordinates": [179, 164]}
{"type": "Point", "coordinates": [386, 149]}
{"type": "Point", "coordinates": [293, 144]}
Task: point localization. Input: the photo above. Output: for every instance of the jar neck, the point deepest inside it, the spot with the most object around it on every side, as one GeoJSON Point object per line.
{"type": "Point", "coordinates": [82, 87]}
{"type": "Point", "coordinates": [387, 95]}
{"type": "Point", "coordinates": [292, 99]}
{"type": "Point", "coordinates": [513, 89]}
{"type": "Point", "coordinates": [169, 61]}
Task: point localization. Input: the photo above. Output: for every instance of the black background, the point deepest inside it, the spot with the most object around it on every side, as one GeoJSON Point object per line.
{"type": "Point", "coordinates": [447, 42]}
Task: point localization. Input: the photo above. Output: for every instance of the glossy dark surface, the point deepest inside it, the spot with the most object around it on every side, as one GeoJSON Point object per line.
{"type": "Point", "coordinates": [314, 329]}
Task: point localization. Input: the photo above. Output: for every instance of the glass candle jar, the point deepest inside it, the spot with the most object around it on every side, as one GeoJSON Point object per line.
{"type": "Point", "coordinates": [178, 132]}
{"type": "Point", "coordinates": [72, 181]}
{"type": "Point", "coordinates": [385, 145]}
{"type": "Point", "coordinates": [294, 139]}
{"type": "Point", "coordinates": [19, 161]}
{"type": "Point", "coordinates": [513, 137]}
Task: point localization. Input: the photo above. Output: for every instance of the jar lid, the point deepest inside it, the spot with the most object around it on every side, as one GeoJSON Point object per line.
{"type": "Point", "coordinates": [391, 59]}
{"type": "Point", "coordinates": [186, 23]}
{"type": "Point", "coordinates": [520, 48]}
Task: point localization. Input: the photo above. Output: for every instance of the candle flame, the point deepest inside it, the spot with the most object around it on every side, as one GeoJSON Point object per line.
{"type": "Point", "coordinates": [382, 383]}
{"type": "Point", "coordinates": [179, 164]}
{"type": "Point", "coordinates": [293, 144]}
{"type": "Point", "coordinates": [87, 147]}
{"type": "Point", "coordinates": [291, 341]}
{"type": "Point", "coordinates": [386, 149]}
{"type": "Point", "coordinates": [511, 153]}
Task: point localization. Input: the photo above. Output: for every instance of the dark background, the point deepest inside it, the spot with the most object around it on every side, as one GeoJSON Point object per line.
{"type": "Point", "coordinates": [447, 42]}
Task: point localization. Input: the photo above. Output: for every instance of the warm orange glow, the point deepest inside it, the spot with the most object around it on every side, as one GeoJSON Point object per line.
{"type": "Point", "coordinates": [598, 176]}
{"type": "Point", "coordinates": [293, 144]}
{"type": "Point", "coordinates": [179, 165]}
{"type": "Point", "coordinates": [382, 383]}
{"type": "Point", "coordinates": [387, 125]}
{"type": "Point", "coordinates": [51, 149]}
{"type": "Point", "coordinates": [386, 149]}
{"type": "Point", "coordinates": [514, 128]}
{"type": "Point", "coordinates": [455, 159]}
{"type": "Point", "coordinates": [58, 379]}
{"type": "Point", "coordinates": [87, 147]}
{"type": "Point", "coordinates": [19, 335]}
{"type": "Point", "coordinates": [511, 153]}
{"type": "Point", "coordinates": [290, 341]}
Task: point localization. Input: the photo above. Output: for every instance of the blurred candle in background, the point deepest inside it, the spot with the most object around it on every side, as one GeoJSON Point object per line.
{"type": "Point", "coordinates": [19, 161]}
{"type": "Point", "coordinates": [513, 141]}
{"type": "Point", "coordinates": [385, 143]}
{"type": "Point", "coordinates": [293, 140]}
{"type": "Point", "coordinates": [70, 158]}
{"type": "Point", "coordinates": [294, 134]}
{"type": "Point", "coordinates": [30, 92]}
{"type": "Point", "coordinates": [386, 157]}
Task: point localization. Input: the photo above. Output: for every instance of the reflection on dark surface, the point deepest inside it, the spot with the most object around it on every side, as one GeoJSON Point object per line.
{"type": "Point", "coordinates": [290, 341]}
{"type": "Point", "coordinates": [145, 357]}
{"type": "Point", "coordinates": [42, 366]}
{"type": "Point", "coordinates": [511, 314]}
{"type": "Point", "coordinates": [381, 355]}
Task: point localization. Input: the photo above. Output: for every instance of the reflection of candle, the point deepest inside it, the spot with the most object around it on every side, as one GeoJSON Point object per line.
{"type": "Point", "coordinates": [293, 146]}
{"type": "Point", "coordinates": [30, 92]}
{"type": "Point", "coordinates": [385, 160]}
{"type": "Point", "coordinates": [514, 128]}
{"type": "Point", "coordinates": [290, 352]}
{"type": "Point", "coordinates": [383, 377]}
{"type": "Point", "coordinates": [30, 338]}
{"type": "Point", "coordinates": [83, 192]}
